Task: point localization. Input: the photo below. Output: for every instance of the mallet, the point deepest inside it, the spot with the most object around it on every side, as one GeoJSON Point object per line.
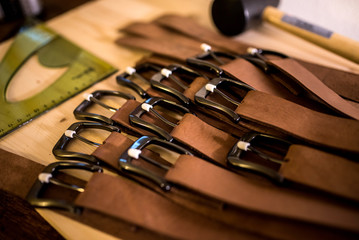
{"type": "Point", "coordinates": [232, 17]}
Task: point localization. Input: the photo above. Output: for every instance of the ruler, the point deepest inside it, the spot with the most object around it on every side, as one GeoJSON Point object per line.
{"type": "Point", "coordinates": [53, 51]}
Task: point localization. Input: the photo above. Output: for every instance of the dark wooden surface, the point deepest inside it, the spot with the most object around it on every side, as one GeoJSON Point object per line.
{"type": "Point", "coordinates": [51, 8]}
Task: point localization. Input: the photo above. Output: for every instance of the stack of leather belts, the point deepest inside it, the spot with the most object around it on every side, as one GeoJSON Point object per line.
{"type": "Point", "coordinates": [222, 141]}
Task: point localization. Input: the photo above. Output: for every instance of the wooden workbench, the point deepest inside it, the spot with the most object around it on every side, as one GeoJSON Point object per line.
{"type": "Point", "coordinates": [94, 26]}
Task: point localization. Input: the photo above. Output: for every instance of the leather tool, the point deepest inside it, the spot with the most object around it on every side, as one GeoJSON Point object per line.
{"type": "Point", "coordinates": [235, 16]}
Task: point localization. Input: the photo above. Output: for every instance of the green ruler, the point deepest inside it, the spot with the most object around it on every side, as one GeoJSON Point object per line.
{"type": "Point", "coordinates": [53, 51]}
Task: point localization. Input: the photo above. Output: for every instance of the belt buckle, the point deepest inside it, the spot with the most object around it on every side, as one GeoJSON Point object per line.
{"type": "Point", "coordinates": [126, 78]}
{"type": "Point", "coordinates": [60, 152]}
{"type": "Point", "coordinates": [48, 176]}
{"type": "Point", "coordinates": [205, 62]}
{"type": "Point", "coordinates": [211, 87]}
{"type": "Point", "coordinates": [257, 57]}
{"type": "Point", "coordinates": [134, 152]}
{"type": "Point", "coordinates": [148, 106]}
{"type": "Point", "coordinates": [81, 113]}
{"type": "Point", "coordinates": [246, 143]}
{"type": "Point", "coordinates": [170, 73]}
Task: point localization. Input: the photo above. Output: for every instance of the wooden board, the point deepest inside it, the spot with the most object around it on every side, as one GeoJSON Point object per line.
{"type": "Point", "coordinates": [94, 26]}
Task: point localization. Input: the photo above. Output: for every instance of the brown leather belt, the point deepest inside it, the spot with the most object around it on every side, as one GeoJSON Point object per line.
{"type": "Point", "coordinates": [122, 213]}
{"type": "Point", "coordinates": [241, 193]}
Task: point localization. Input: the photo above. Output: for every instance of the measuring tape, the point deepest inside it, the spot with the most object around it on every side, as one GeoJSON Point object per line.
{"type": "Point", "coordinates": [84, 69]}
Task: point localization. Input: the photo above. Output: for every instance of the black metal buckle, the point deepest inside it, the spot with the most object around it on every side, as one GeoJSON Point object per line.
{"type": "Point", "coordinates": [148, 106]}
{"type": "Point", "coordinates": [247, 143]}
{"type": "Point", "coordinates": [124, 79]}
{"type": "Point", "coordinates": [210, 87]}
{"type": "Point", "coordinates": [72, 132]}
{"type": "Point", "coordinates": [174, 72]}
{"type": "Point", "coordinates": [257, 57]}
{"type": "Point", "coordinates": [134, 152]}
{"type": "Point", "coordinates": [80, 111]}
{"type": "Point", "coordinates": [48, 176]}
{"type": "Point", "coordinates": [203, 61]}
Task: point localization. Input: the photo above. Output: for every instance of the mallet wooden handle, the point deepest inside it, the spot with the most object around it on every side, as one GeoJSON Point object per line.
{"type": "Point", "coordinates": [331, 41]}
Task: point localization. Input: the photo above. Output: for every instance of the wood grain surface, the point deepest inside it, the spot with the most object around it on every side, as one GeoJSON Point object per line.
{"type": "Point", "coordinates": [94, 26]}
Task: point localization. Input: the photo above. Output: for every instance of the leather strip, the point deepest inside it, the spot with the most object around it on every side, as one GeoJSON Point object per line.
{"type": "Point", "coordinates": [154, 31]}
{"type": "Point", "coordinates": [322, 170]}
{"type": "Point", "coordinates": [234, 189]}
{"type": "Point", "coordinates": [162, 48]}
{"type": "Point", "coordinates": [250, 74]}
{"type": "Point", "coordinates": [149, 210]}
{"type": "Point", "coordinates": [209, 141]}
{"type": "Point", "coordinates": [347, 86]}
{"type": "Point", "coordinates": [215, 145]}
{"type": "Point", "coordinates": [311, 83]}
{"type": "Point", "coordinates": [191, 28]}
{"type": "Point", "coordinates": [314, 127]}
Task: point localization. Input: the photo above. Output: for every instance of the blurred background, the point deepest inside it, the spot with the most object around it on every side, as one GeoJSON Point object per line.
{"type": "Point", "coordinates": [335, 15]}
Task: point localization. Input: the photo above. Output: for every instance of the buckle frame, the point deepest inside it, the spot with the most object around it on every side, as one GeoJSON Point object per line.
{"type": "Point", "coordinates": [211, 86]}
{"type": "Point", "coordinates": [80, 111]}
{"type": "Point", "coordinates": [257, 57]}
{"type": "Point", "coordinates": [126, 166]}
{"type": "Point", "coordinates": [124, 78]}
{"type": "Point", "coordinates": [201, 61]}
{"type": "Point", "coordinates": [234, 157]}
{"type": "Point", "coordinates": [59, 148]}
{"type": "Point", "coordinates": [135, 116]}
{"type": "Point", "coordinates": [156, 81]}
{"type": "Point", "coordinates": [47, 176]}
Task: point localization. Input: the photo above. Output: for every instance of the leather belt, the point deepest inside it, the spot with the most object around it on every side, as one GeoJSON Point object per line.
{"type": "Point", "coordinates": [190, 178]}
{"type": "Point", "coordinates": [123, 213]}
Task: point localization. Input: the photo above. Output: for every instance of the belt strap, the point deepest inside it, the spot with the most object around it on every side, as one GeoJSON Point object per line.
{"type": "Point", "coordinates": [148, 209]}
{"type": "Point", "coordinates": [209, 141]}
{"type": "Point", "coordinates": [321, 170]}
{"type": "Point", "coordinates": [347, 87]}
{"type": "Point", "coordinates": [311, 83]}
{"type": "Point", "coordinates": [123, 213]}
{"type": "Point", "coordinates": [305, 165]}
{"type": "Point", "coordinates": [234, 189]}
{"type": "Point", "coordinates": [160, 47]}
{"type": "Point", "coordinates": [191, 28]}
{"type": "Point", "coordinates": [250, 74]}
{"type": "Point", "coordinates": [302, 123]}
